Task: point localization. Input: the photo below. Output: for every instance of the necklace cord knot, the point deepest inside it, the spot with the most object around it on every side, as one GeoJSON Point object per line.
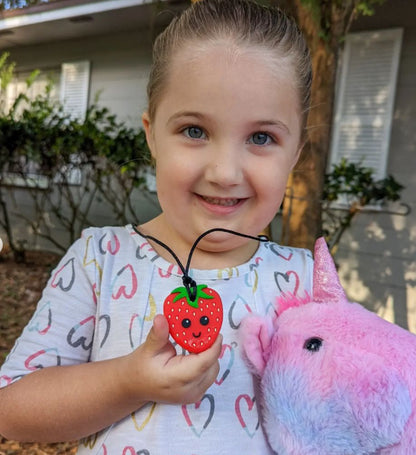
{"type": "Point", "coordinates": [190, 286]}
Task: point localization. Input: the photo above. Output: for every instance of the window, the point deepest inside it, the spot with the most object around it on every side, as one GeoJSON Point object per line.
{"type": "Point", "coordinates": [18, 85]}
{"type": "Point", "coordinates": [365, 99]}
{"type": "Point", "coordinates": [70, 85]}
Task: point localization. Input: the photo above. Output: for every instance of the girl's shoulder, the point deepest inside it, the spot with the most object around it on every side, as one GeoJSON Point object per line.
{"type": "Point", "coordinates": [288, 268]}
{"type": "Point", "coordinates": [276, 254]}
{"type": "Point", "coordinates": [100, 233]}
{"type": "Point", "coordinates": [108, 244]}
{"type": "Point", "coordinates": [110, 239]}
{"type": "Point", "coordinates": [114, 245]}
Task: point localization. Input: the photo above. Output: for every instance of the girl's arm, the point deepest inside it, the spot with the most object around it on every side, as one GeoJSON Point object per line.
{"type": "Point", "coordinates": [70, 402]}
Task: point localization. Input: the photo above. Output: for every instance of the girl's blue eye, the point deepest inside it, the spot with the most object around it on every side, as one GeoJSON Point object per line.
{"type": "Point", "coordinates": [194, 132]}
{"type": "Point", "coordinates": [261, 139]}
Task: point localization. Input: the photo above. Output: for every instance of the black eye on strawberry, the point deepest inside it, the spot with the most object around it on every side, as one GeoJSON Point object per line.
{"type": "Point", "coordinates": [194, 321]}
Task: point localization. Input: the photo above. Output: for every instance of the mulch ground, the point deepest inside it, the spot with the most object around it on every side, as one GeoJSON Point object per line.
{"type": "Point", "coordinates": [20, 288]}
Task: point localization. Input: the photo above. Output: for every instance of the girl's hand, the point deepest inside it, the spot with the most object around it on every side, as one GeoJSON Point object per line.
{"type": "Point", "coordinates": [157, 373]}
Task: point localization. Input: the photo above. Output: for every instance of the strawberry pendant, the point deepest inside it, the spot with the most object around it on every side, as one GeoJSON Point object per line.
{"type": "Point", "coordinates": [194, 312]}
{"type": "Point", "coordinates": [194, 319]}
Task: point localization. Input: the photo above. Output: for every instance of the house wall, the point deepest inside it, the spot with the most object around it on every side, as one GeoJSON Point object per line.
{"type": "Point", "coordinates": [377, 256]}
{"type": "Point", "coordinates": [120, 65]}
{"type": "Point", "coordinates": [22, 214]}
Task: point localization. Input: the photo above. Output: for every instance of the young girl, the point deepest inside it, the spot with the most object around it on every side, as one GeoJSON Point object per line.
{"type": "Point", "coordinates": [228, 96]}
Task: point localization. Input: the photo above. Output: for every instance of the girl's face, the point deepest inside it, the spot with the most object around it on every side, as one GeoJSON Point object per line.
{"type": "Point", "coordinates": [225, 137]}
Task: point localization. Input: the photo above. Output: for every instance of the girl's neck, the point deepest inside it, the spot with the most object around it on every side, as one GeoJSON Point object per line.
{"type": "Point", "coordinates": [206, 256]}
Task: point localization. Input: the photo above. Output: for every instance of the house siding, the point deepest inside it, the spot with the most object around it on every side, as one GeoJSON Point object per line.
{"type": "Point", "coordinates": [21, 212]}
{"type": "Point", "coordinates": [120, 66]}
{"type": "Point", "coordinates": [377, 256]}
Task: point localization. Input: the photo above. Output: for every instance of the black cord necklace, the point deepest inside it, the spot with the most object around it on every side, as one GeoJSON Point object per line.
{"type": "Point", "coordinates": [194, 312]}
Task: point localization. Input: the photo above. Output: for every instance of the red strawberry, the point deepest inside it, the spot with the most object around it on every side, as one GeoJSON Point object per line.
{"type": "Point", "coordinates": [194, 325]}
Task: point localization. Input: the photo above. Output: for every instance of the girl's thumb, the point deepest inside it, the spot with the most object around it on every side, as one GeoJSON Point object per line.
{"type": "Point", "coordinates": [159, 334]}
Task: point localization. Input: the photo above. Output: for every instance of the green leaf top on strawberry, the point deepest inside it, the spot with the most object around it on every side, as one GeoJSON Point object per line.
{"type": "Point", "coordinates": [194, 323]}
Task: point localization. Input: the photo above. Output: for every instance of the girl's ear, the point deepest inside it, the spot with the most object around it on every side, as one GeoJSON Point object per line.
{"type": "Point", "coordinates": [298, 153]}
{"type": "Point", "coordinates": [147, 125]}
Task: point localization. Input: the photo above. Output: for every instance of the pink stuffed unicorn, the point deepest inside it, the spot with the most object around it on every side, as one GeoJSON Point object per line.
{"type": "Point", "coordinates": [334, 378]}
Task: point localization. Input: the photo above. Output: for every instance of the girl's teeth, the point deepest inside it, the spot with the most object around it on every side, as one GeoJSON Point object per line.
{"type": "Point", "coordinates": [223, 202]}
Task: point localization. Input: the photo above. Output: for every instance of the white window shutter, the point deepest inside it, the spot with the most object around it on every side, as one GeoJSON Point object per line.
{"type": "Point", "coordinates": [75, 81]}
{"type": "Point", "coordinates": [365, 99]}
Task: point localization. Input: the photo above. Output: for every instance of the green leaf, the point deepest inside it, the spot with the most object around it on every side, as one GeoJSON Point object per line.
{"type": "Point", "coordinates": [182, 293]}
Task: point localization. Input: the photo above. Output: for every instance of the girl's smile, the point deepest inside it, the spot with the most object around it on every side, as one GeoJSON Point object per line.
{"type": "Point", "coordinates": [220, 201]}
{"type": "Point", "coordinates": [225, 137]}
{"type": "Point", "coordinates": [221, 206]}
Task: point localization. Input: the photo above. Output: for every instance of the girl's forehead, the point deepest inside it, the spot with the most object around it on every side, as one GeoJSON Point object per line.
{"type": "Point", "coordinates": [228, 51]}
{"type": "Point", "coordinates": [208, 71]}
{"type": "Point", "coordinates": [225, 59]}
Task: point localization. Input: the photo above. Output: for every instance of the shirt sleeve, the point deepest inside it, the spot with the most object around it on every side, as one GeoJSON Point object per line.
{"type": "Point", "coordinates": [61, 331]}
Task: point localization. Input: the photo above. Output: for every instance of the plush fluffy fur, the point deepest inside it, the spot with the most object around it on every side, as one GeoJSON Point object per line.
{"type": "Point", "coordinates": [335, 379]}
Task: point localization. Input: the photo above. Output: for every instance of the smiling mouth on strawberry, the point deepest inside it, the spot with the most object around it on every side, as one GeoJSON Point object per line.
{"type": "Point", "coordinates": [196, 336]}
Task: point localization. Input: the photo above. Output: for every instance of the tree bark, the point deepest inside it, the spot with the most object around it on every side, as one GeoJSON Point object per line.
{"type": "Point", "coordinates": [302, 205]}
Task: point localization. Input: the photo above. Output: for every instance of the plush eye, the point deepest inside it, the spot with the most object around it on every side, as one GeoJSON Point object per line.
{"type": "Point", "coordinates": [204, 320]}
{"type": "Point", "coordinates": [313, 344]}
{"type": "Point", "coordinates": [186, 323]}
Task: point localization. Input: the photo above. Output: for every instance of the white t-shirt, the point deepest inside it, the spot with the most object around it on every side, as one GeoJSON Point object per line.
{"type": "Point", "coordinates": [100, 302]}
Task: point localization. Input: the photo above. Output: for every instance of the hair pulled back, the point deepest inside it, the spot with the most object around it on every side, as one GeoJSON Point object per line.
{"type": "Point", "coordinates": [245, 24]}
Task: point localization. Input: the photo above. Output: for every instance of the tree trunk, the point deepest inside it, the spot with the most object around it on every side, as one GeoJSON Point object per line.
{"type": "Point", "coordinates": [302, 204]}
{"type": "Point", "coordinates": [19, 254]}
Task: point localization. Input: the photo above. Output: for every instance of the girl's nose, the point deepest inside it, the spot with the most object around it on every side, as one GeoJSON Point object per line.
{"type": "Point", "coordinates": [225, 165]}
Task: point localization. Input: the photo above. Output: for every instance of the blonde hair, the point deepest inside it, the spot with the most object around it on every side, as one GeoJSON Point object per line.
{"type": "Point", "coordinates": [246, 24]}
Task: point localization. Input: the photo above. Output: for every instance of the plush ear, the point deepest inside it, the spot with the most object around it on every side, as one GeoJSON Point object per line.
{"type": "Point", "coordinates": [256, 334]}
{"type": "Point", "coordinates": [326, 284]}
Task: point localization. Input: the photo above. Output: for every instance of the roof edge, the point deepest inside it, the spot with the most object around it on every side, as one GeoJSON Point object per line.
{"type": "Point", "coordinates": [61, 9]}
